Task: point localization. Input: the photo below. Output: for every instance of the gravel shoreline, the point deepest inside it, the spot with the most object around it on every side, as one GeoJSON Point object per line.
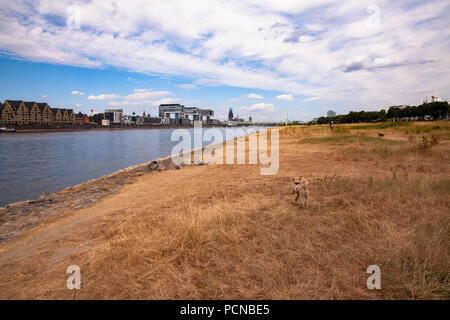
{"type": "Point", "coordinates": [17, 217]}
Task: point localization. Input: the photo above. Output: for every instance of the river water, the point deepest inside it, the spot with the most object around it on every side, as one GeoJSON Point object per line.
{"type": "Point", "coordinates": [32, 164]}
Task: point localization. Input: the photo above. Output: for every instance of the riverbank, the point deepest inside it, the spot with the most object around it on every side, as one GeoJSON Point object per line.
{"type": "Point", "coordinates": [226, 232]}
{"type": "Point", "coordinates": [17, 217]}
{"type": "Point", "coordinates": [31, 129]}
{"type": "Point", "coordinates": [35, 164]}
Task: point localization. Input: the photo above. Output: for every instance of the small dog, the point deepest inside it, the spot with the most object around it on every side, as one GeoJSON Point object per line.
{"type": "Point", "coordinates": [300, 188]}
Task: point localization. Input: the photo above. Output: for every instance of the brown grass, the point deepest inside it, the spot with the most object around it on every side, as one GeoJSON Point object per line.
{"type": "Point", "coordinates": [226, 232]}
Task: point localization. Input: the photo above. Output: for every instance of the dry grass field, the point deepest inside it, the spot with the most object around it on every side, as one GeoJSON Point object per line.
{"type": "Point", "coordinates": [226, 232]}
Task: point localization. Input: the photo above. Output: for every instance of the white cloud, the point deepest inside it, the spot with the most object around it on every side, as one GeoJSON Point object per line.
{"type": "Point", "coordinates": [44, 96]}
{"type": "Point", "coordinates": [167, 101]}
{"type": "Point", "coordinates": [125, 103]}
{"type": "Point", "coordinates": [254, 96]}
{"type": "Point", "coordinates": [324, 48]}
{"type": "Point", "coordinates": [104, 97]}
{"type": "Point", "coordinates": [128, 103]}
{"type": "Point", "coordinates": [286, 97]}
{"type": "Point", "coordinates": [312, 99]}
{"type": "Point", "coordinates": [142, 94]}
{"type": "Point", "coordinates": [76, 92]}
{"type": "Point", "coordinates": [259, 107]}
{"type": "Point", "coordinates": [249, 96]}
{"type": "Point", "coordinates": [187, 86]}
{"type": "Point", "coordinates": [143, 97]}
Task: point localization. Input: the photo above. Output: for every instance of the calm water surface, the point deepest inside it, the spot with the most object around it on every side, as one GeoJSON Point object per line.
{"type": "Point", "coordinates": [32, 164]}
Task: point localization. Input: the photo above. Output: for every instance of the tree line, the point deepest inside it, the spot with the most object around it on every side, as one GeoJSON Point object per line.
{"type": "Point", "coordinates": [437, 110]}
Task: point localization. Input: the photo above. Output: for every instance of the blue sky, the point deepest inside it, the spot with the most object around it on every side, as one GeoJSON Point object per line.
{"type": "Point", "coordinates": [258, 57]}
{"type": "Point", "coordinates": [68, 86]}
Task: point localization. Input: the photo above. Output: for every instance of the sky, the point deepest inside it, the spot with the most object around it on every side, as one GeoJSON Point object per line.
{"type": "Point", "coordinates": [260, 58]}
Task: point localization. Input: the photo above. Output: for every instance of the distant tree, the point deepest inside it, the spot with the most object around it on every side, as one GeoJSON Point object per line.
{"type": "Point", "coordinates": [435, 109]}
{"type": "Point", "coordinates": [394, 112]}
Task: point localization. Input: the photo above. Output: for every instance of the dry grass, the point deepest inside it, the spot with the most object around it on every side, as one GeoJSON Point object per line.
{"type": "Point", "coordinates": [226, 232]}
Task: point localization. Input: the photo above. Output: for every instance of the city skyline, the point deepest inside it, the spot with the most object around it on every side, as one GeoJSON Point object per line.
{"type": "Point", "coordinates": [307, 58]}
